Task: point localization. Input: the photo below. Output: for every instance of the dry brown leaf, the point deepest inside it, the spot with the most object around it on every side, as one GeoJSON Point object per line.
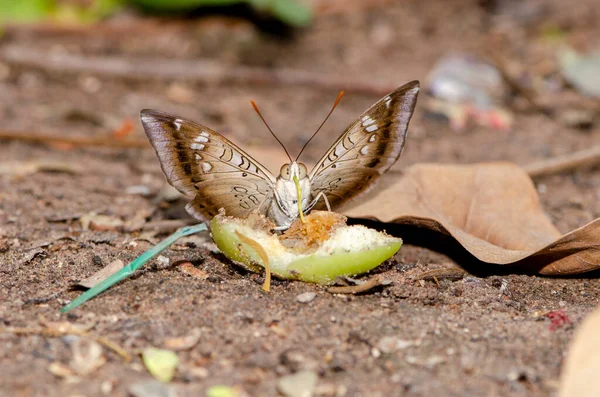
{"type": "Point", "coordinates": [191, 270]}
{"type": "Point", "coordinates": [101, 274]}
{"type": "Point", "coordinates": [491, 209]}
{"type": "Point", "coordinates": [579, 376]}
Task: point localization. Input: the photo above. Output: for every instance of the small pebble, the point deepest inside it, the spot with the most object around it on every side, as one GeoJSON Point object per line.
{"type": "Point", "coordinates": [306, 297]}
{"type": "Point", "coordinates": [97, 260]}
{"type": "Point", "coordinates": [375, 352]}
{"type": "Point", "coordinates": [162, 261]}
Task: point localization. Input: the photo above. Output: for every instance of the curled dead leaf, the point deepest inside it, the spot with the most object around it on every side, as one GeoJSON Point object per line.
{"type": "Point", "coordinates": [491, 209]}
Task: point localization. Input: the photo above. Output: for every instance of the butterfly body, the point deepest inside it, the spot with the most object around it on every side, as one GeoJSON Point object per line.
{"type": "Point", "coordinates": [284, 208]}
{"type": "Point", "coordinates": [204, 164]}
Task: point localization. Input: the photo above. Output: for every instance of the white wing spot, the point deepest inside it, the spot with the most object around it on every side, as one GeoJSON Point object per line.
{"type": "Point", "coordinates": [372, 138]}
{"type": "Point", "coordinates": [177, 123]}
{"type": "Point", "coordinates": [236, 158]}
{"type": "Point", "coordinates": [372, 128]}
{"type": "Point", "coordinates": [364, 150]}
{"type": "Point", "coordinates": [196, 146]}
{"type": "Point", "coordinates": [204, 134]}
{"type": "Point", "coordinates": [201, 139]}
{"type": "Point", "coordinates": [368, 122]}
{"type": "Point", "coordinates": [206, 167]}
{"type": "Point", "coordinates": [388, 101]}
{"type": "Point", "coordinates": [197, 156]}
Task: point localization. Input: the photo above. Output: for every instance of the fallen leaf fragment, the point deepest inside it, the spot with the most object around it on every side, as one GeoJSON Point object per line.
{"type": "Point", "coordinates": [87, 356]}
{"type": "Point", "coordinates": [579, 376]}
{"type": "Point", "coordinates": [97, 222]}
{"type": "Point", "coordinates": [100, 275]}
{"type": "Point", "coordinates": [222, 391]}
{"type": "Point", "coordinates": [152, 388]}
{"type": "Point", "coordinates": [191, 270]}
{"type": "Point", "coordinates": [60, 370]}
{"type": "Point", "coordinates": [491, 209]}
{"type": "Point", "coordinates": [300, 384]}
{"type": "Point", "coordinates": [184, 342]}
{"type": "Point", "coordinates": [581, 71]}
{"type": "Point", "coordinates": [161, 363]}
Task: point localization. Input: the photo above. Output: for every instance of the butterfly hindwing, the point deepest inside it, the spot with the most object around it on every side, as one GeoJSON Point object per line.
{"type": "Point", "coordinates": [367, 149]}
{"type": "Point", "coordinates": [200, 162]}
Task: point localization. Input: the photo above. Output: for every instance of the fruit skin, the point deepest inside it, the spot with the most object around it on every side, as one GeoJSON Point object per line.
{"type": "Point", "coordinates": [332, 260]}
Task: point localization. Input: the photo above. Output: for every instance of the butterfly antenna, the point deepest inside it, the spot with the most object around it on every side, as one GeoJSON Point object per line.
{"type": "Point", "coordinates": [270, 130]}
{"type": "Point", "coordinates": [339, 98]}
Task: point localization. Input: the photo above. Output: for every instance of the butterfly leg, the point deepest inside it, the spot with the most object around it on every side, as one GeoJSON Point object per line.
{"type": "Point", "coordinates": [316, 199]}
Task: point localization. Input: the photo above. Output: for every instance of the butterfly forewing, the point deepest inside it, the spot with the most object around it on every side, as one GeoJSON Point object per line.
{"type": "Point", "coordinates": [367, 149]}
{"type": "Point", "coordinates": [198, 161]}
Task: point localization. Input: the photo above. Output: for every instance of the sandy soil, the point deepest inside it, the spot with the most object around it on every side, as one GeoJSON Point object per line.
{"type": "Point", "coordinates": [484, 335]}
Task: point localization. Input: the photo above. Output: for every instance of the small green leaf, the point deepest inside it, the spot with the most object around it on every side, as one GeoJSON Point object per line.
{"type": "Point", "coordinates": [160, 363]}
{"type": "Point", "coordinates": [222, 391]}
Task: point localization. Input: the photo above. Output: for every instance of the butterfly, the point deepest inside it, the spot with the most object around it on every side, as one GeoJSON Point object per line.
{"type": "Point", "coordinates": [202, 163]}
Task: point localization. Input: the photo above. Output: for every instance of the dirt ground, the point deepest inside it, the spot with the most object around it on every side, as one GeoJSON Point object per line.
{"type": "Point", "coordinates": [480, 335]}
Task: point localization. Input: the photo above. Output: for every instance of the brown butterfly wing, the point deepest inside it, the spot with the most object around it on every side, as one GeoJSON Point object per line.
{"type": "Point", "coordinates": [200, 162]}
{"type": "Point", "coordinates": [367, 149]}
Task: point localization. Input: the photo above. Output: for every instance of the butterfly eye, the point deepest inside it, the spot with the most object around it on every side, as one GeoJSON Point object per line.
{"type": "Point", "coordinates": [284, 172]}
{"type": "Point", "coordinates": [302, 171]}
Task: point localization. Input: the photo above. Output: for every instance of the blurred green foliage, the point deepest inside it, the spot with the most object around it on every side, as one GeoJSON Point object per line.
{"type": "Point", "coordinates": [25, 11]}
{"type": "Point", "coordinates": [291, 12]}
{"type": "Point", "coordinates": [52, 10]}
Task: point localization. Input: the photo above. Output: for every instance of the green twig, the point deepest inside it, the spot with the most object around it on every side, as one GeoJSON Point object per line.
{"type": "Point", "coordinates": [133, 266]}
